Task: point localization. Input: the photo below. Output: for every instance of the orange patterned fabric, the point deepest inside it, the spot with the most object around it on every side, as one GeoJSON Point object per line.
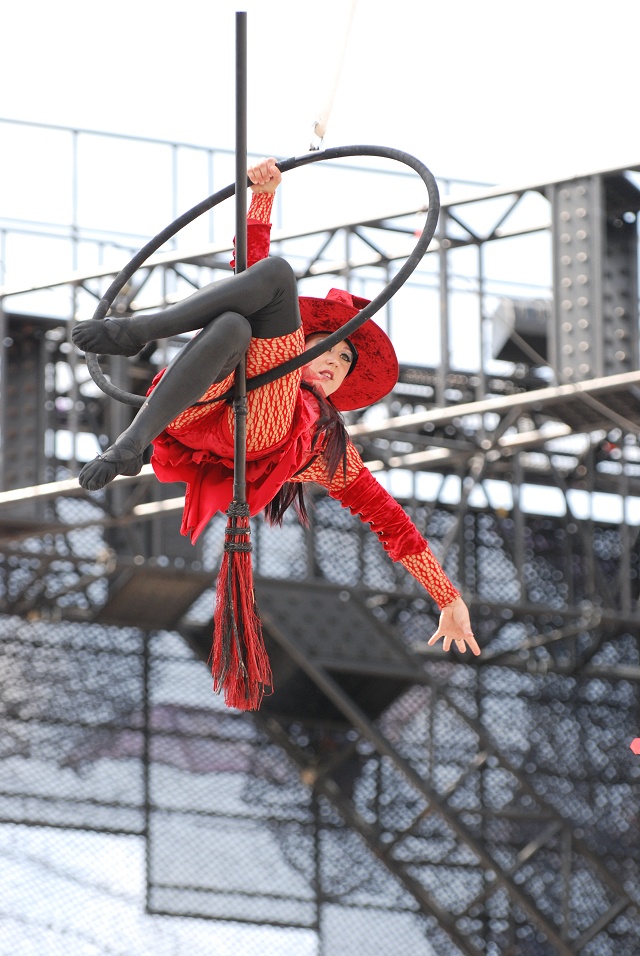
{"type": "Point", "coordinates": [269, 408]}
{"type": "Point", "coordinates": [317, 471]}
{"type": "Point", "coordinates": [426, 569]}
{"type": "Point", "coordinates": [260, 208]}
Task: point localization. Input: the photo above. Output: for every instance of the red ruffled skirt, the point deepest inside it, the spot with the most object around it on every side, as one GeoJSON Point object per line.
{"type": "Point", "coordinates": [197, 447]}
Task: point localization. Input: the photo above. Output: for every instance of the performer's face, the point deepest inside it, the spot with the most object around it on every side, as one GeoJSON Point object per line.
{"type": "Point", "coordinates": [331, 367]}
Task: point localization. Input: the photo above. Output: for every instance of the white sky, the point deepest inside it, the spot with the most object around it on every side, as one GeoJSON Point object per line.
{"type": "Point", "coordinates": [496, 91]}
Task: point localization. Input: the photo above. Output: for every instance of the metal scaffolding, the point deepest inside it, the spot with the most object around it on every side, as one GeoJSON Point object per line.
{"type": "Point", "coordinates": [473, 806]}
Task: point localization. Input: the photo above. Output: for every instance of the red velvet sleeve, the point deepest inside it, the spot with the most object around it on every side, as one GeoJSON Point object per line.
{"type": "Point", "coordinates": [258, 228]}
{"type": "Point", "coordinates": [366, 497]}
{"type": "Point", "coordinates": [400, 538]}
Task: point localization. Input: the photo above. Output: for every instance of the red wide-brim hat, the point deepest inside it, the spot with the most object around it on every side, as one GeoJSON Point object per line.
{"type": "Point", "coordinates": [376, 368]}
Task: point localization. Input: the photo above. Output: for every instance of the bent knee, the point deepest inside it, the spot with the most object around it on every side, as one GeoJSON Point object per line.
{"type": "Point", "coordinates": [278, 270]}
{"type": "Point", "coordinates": [236, 329]}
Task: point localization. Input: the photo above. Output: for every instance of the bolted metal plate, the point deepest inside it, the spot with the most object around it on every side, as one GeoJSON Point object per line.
{"type": "Point", "coordinates": [153, 598]}
{"type": "Point", "coordinates": [333, 627]}
{"type": "Point", "coordinates": [334, 631]}
{"type": "Point", "coordinates": [595, 256]}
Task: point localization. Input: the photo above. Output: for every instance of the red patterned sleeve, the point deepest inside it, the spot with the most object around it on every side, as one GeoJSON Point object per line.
{"type": "Point", "coordinates": [260, 208]}
{"type": "Point", "coordinates": [258, 228]}
{"type": "Point", "coordinates": [366, 497]}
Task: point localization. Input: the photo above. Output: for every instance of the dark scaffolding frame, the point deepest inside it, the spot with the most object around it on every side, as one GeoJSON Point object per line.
{"type": "Point", "coordinates": [554, 594]}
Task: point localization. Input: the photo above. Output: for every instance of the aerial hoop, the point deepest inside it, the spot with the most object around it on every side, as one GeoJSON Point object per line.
{"type": "Point", "coordinates": [338, 152]}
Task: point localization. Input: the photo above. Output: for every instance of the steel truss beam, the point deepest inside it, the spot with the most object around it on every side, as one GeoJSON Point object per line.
{"type": "Point", "coordinates": [391, 846]}
{"type": "Point", "coordinates": [509, 430]}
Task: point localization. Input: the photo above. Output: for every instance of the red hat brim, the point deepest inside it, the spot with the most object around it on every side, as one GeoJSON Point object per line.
{"type": "Point", "coordinates": [376, 370]}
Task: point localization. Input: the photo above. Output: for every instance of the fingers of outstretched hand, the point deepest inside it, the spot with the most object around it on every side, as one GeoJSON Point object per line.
{"type": "Point", "coordinates": [455, 626]}
{"type": "Point", "coordinates": [473, 645]}
{"type": "Point", "coordinates": [462, 643]}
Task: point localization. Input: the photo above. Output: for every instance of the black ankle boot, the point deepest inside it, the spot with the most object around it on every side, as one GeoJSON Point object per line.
{"type": "Point", "coordinates": [108, 337]}
{"type": "Point", "coordinates": [124, 457]}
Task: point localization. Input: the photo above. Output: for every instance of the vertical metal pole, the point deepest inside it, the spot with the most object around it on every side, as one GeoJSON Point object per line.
{"type": "Point", "coordinates": [481, 387]}
{"type": "Point", "coordinates": [241, 142]}
{"type": "Point", "coordinates": [73, 360]}
{"type": "Point", "coordinates": [4, 362]}
{"type": "Point", "coordinates": [624, 567]}
{"type": "Point", "coordinates": [74, 199]}
{"type": "Point", "coordinates": [146, 762]}
{"type": "Point", "coordinates": [442, 374]}
{"type": "Point", "coordinates": [519, 527]}
{"type": "Point", "coordinates": [240, 392]}
{"type": "Point", "coordinates": [210, 182]}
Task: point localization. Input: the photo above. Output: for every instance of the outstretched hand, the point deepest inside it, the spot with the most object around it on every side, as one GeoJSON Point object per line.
{"type": "Point", "coordinates": [265, 176]}
{"type": "Point", "coordinates": [455, 625]}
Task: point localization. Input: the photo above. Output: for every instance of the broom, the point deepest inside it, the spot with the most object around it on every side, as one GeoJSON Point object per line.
{"type": "Point", "coordinates": [239, 661]}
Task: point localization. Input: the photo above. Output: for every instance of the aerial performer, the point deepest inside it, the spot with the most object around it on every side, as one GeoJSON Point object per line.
{"type": "Point", "coordinates": [295, 432]}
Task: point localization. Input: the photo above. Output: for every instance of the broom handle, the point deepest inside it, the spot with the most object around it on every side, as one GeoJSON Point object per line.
{"type": "Point", "coordinates": [240, 388]}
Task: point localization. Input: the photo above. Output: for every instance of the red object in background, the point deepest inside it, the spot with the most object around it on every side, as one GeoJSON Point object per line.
{"type": "Point", "coordinates": [635, 745]}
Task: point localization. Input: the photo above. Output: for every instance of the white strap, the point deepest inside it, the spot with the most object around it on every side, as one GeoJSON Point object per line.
{"type": "Point", "coordinates": [320, 124]}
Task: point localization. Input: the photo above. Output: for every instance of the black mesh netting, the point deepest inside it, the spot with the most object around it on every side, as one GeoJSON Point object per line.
{"type": "Point", "coordinates": [484, 808]}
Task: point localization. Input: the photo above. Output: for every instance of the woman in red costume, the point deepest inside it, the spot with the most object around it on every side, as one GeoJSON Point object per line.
{"type": "Point", "coordinates": [294, 430]}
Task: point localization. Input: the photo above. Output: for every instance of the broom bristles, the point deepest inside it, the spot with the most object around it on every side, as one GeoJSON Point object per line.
{"type": "Point", "coordinates": [239, 661]}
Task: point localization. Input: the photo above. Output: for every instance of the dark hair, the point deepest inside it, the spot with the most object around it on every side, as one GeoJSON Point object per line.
{"type": "Point", "coordinates": [330, 425]}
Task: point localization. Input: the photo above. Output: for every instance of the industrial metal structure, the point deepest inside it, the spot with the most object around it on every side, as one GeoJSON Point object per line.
{"type": "Point", "coordinates": [386, 798]}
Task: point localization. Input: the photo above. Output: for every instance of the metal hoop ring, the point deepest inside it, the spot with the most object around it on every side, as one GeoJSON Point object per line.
{"type": "Point", "coordinates": [339, 152]}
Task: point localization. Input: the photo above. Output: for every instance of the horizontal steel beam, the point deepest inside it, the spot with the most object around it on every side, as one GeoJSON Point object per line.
{"type": "Point", "coordinates": [447, 202]}
{"type": "Point", "coordinates": [537, 398]}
